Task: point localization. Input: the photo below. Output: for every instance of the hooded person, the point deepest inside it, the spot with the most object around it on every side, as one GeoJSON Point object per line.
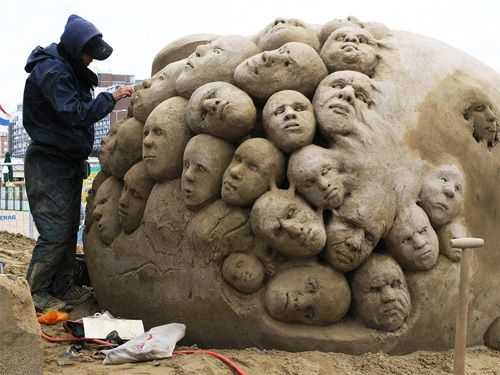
{"type": "Point", "coordinates": [59, 113]}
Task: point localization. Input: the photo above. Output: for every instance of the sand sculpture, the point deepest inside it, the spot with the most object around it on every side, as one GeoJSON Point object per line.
{"type": "Point", "coordinates": [298, 189]}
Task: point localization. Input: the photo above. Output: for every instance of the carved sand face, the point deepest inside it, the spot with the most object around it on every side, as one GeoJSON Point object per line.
{"type": "Point", "coordinates": [222, 110]}
{"type": "Point", "coordinates": [484, 121]}
{"type": "Point", "coordinates": [135, 193]}
{"type": "Point", "coordinates": [380, 293]}
{"type": "Point", "coordinates": [205, 160]}
{"type": "Point", "coordinates": [165, 136]}
{"type": "Point", "coordinates": [215, 61]}
{"type": "Point", "coordinates": [289, 120]}
{"type": "Point", "coordinates": [314, 295]}
{"type": "Point", "coordinates": [256, 165]}
{"type": "Point", "coordinates": [318, 176]}
{"type": "Point", "coordinates": [155, 90]}
{"type": "Point", "coordinates": [293, 66]}
{"type": "Point", "coordinates": [108, 145]}
{"type": "Point", "coordinates": [442, 194]}
{"type": "Point", "coordinates": [287, 224]}
{"type": "Point", "coordinates": [339, 101]}
{"type": "Point", "coordinates": [282, 31]}
{"type": "Point", "coordinates": [127, 148]}
{"type": "Point", "coordinates": [412, 241]}
{"type": "Point", "coordinates": [244, 272]}
{"type": "Point", "coordinates": [349, 242]}
{"type": "Point", "coordinates": [106, 209]}
{"type": "Point", "coordinates": [350, 48]}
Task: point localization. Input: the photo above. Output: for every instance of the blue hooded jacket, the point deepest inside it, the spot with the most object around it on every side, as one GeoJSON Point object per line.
{"type": "Point", "coordinates": [58, 110]}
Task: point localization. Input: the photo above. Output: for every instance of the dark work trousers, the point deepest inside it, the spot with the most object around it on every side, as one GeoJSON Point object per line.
{"type": "Point", "coordinates": [54, 188]}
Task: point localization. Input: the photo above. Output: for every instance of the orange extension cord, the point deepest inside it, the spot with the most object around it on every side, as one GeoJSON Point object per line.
{"type": "Point", "coordinates": [224, 359]}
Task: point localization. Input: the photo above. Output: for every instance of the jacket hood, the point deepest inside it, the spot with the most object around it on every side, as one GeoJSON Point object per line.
{"type": "Point", "coordinates": [77, 33]}
{"type": "Point", "coordinates": [40, 54]}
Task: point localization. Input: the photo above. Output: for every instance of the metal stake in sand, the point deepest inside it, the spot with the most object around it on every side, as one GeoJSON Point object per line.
{"type": "Point", "coordinates": [466, 244]}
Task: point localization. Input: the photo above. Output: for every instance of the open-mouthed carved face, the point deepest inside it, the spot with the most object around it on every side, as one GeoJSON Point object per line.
{"type": "Point", "coordinates": [289, 120]}
{"type": "Point", "coordinates": [350, 48]}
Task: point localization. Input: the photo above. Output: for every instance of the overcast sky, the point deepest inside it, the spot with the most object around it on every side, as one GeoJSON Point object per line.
{"type": "Point", "coordinates": [137, 30]}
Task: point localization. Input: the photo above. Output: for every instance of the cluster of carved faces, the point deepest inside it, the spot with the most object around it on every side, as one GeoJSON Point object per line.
{"type": "Point", "coordinates": [196, 120]}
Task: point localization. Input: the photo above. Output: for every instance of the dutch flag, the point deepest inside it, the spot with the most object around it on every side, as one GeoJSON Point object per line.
{"type": "Point", "coordinates": [4, 117]}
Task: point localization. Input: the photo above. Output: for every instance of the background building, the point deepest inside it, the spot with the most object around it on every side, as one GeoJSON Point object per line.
{"type": "Point", "coordinates": [4, 143]}
{"type": "Point", "coordinates": [18, 138]}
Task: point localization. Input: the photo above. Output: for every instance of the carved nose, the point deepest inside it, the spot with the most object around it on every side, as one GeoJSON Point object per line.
{"type": "Point", "coordinates": [323, 183]}
{"type": "Point", "coordinates": [293, 229]}
{"type": "Point", "coordinates": [418, 241]}
{"type": "Point", "coordinates": [146, 83]}
{"type": "Point", "coordinates": [212, 104]}
{"type": "Point", "coordinates": [354, 243]}
{"type": "Point", "coordinates": [449, 192]}
{"type": "Point", "coordinates": [267, 58]}
{"type": "Point", "coordinates": [189, 174]}
{"type": "Point", "coordinates": [351, 38]}
{"type": "Point", "coordinates": [346, 93]}
{"type": "Point", "coordinates": [235, 172]}
{"type": "Point", "coordinates": [290, 116]}
{"type": "Point", "coordinates": [278, 21]}
{"type": "Point", "coordinates": [388, 294]}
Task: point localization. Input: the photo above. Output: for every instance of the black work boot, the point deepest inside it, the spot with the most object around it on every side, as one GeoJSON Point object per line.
{"type": "Point", "coordinates": [76, 295]}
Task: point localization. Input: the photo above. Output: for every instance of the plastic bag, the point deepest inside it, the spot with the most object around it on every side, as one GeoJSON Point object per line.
{"type": "Point", "coordinates": [157, 343]}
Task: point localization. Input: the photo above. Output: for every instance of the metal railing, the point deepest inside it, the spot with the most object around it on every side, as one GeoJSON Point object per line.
{"type": "Point", "coordinates": [13, 197]}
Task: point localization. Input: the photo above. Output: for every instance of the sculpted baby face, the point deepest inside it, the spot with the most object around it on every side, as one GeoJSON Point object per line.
{"type": "Point", "coordinates": [282, 31]}
{"type": "Point", "coordinates": [442, 194]}
{"type": "Point", "coordinates": [289, 120]}
{"type": "Point", "coordinates": [319, 176]}
{"type": "Point", "coordinates": [412, 241]}
{"type": "Point", "coordinates": [339, 101]}
{"type": "Point", "coordinates": [127, 148]}
{"type": "Point", "coordinates": [106, 209]}
{"type": "Point", "coordinates": [215, 61]}
{"type": "Point", "coordinates": [350, 48]}
{"type": "Point", "coordinates": [313, 295]}
{"type": "Point", "coordinates": [288, 224]}
{"type": "Point", "coordinates": [155, 90]}
{"type": "Point", "coordinates": [166, 134]}
{"type": "Point", "coordinates": [222, 110]}
{"type": "Point", "coordinates": [380, 293]}
{"type": "Point", "coordinates": [135, 193]}
{"type": "Point", "coordinates": [293, 66]}
{"type": "Point", "coordinates": [256, 165]}
{"type": "Point", "coordinates": [484, 121]}
{"type": "Point", "coordinates": [244, 272]}
{"type": "Point", "coordinates": [205, 160]}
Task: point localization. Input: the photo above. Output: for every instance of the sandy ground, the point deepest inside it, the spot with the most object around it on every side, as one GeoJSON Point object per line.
{"type": "Point", "coordinates": [15, 251]}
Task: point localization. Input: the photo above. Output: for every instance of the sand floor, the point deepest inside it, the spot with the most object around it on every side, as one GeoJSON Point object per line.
{"type": "Point", "coordinates": [15, 251]}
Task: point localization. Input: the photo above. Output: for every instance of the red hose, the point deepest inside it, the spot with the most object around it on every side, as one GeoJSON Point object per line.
{"type": "Point", "coordinates": [224, 359]}
{"type": "Point", "coordinates": [71, 339]}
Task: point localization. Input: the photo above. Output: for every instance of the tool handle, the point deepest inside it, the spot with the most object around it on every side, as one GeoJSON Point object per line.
{"type": "Point", "coordinates": [466, 242]}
